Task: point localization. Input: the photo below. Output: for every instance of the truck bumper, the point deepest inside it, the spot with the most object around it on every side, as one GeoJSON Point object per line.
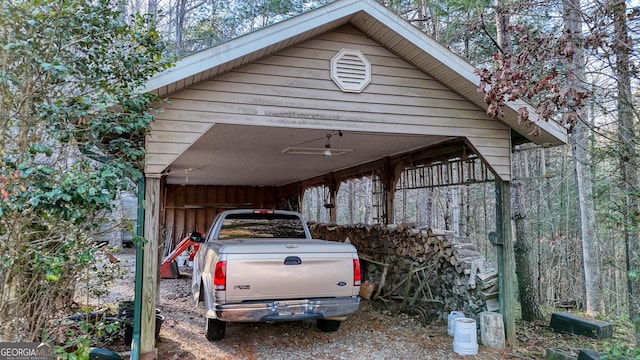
{"type": "Point", "coordinates": [284, 310]}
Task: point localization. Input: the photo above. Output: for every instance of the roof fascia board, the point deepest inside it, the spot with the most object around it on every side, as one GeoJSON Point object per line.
{"type": "Point", "coordinates": [553, 128]}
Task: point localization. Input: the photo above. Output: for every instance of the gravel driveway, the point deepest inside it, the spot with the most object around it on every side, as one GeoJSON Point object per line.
{"type": "Point", "coordinates": [367, 334]}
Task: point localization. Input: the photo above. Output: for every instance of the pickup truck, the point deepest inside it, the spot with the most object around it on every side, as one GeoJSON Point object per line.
{"type": "Point", "coordinates": [263, 266]}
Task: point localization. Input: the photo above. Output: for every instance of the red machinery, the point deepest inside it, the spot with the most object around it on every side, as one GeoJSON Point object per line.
{"type": "Point", "coordinates": [169, 267]}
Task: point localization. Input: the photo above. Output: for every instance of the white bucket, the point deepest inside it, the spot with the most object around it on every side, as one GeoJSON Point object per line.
{"type": "Point", "coordinates": [451, 320]}
{"type": "Point", "coordinates": [465, 337]}
{"type": "Point", "coordinates": [183, 258]}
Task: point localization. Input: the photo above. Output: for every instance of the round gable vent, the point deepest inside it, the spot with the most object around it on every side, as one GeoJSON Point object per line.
{"type": "Point", "coordinates": [350, 70]}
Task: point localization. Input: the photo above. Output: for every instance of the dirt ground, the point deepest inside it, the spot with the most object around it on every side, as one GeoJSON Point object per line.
{"type": "Point", "coordinates": [370, 333]}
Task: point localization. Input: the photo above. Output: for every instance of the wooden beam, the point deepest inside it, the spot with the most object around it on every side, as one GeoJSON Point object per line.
{"type": "Point", "coordinates": [442, 151]}
{"type": "Point", "coordinates": [150, 268]}
{"type": "Point", "coordinates": [506, 260]}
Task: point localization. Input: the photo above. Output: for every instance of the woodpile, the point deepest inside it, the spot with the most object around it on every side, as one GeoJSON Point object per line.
{"type": "Point", "coordinates": [425, 272]}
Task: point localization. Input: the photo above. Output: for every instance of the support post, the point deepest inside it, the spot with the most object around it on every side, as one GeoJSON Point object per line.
{"type": "Point", "coordinates": [137, 304]}
{"type": "Point", "coordinates": [506, 260]}
{"type": "Point", "coordinates": [388, 180]}
{"type": "Point", "coordinates": [333, 210]}
{"type": "Point", "coordinates": [150, 271]}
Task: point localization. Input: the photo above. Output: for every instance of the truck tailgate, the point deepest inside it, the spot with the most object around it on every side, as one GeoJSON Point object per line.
{"type": "Point", "coordinates": [288, 275]}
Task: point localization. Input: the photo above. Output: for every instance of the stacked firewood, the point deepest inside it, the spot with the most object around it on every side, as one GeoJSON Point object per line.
{"type": "Point", "coordinates": [422, 271]}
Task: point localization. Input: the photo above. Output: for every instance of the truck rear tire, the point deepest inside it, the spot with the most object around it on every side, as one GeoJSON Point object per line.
{"type": "Point", "coordinates": [328, 325]}
{"type": "Point", "coordinates": [214, 329]}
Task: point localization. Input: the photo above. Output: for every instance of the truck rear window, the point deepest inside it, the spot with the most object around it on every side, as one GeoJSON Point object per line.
{"type": "Point", "coordinates": [237, 226]}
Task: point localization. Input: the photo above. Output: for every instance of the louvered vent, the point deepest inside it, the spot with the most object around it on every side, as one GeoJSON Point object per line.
{"type": "Point", "coordinates": [350, 70]}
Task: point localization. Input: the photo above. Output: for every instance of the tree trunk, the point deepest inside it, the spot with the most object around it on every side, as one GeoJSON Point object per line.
{"type": "Point", "coordinates": [580, 145]}
{"type": "Point", "coordinates": [455, 210]}
{"type": "Point", "coordinates": [152, 7]}
{"type": "Point", "coordinates": [180, 20]}
{"type": "Point", "coordinates": [122, 8]}
{"type": "Point", "coordinates": [351, 194]}
{"type": "Point", "coordinates": [319, 202]}
{"type": "Point", "coordinates": [368, 200]}
{"type": "Point", "coordinates": [522, 247]}
{"type": "Point", "coordinates": [9, 308]}
{"type": "Point", "coordinates": [11, 303]}
{"type": "Point", "coordinates": [579, 142]}
{"type": "Point", "coordinates": [628, 158]}
{"type": "Point", "coordinates": [502, 23]}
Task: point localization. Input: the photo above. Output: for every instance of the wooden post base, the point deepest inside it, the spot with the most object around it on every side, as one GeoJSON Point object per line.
{"type": "Point", "coordinates": [152, 355]}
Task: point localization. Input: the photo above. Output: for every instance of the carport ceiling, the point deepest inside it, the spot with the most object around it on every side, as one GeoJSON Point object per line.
{"type": "Point", "coordinates": [256, 155]}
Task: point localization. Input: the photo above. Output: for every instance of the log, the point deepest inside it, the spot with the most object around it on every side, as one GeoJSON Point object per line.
{"type": "Point", "coordinates": [493, 304]}
{"type": "Point", "coordinates": [406, 289]}
{"type": "Point", "coordinates": [492, 330]}
{"type": "Point", "coordinates": [487, 275]}
{"type": "Point", "coordinates": [383, 279]}
{"type": "Point", "coordinates": [405, 256]}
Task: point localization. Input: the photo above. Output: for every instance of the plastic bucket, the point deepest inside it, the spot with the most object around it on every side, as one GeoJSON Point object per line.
{"type": "Point", "coordinates": [183, 258]}
{"type": "Point", "coordinates": [465, 337]}
{"type": "Point", "coordinates": [128, 325]}
{"type": "Point", "coordinates": [451, 320]}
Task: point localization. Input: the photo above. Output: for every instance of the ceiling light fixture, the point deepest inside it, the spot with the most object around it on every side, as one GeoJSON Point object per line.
{"type": "Point", "coordinates": [327, 147]}
{"type": "Point", "coordinates": [325, 150]}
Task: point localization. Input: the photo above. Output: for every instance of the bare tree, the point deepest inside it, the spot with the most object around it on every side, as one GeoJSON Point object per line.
{"type": "Point", "coordinates": [522, 243]}
{"type": "Point", "coordinates": [548, 71]}
{"type": "Point", "coordinates": [628, 155]}
{"type": "Point", "coordinates": [152, 7]}
{"type": "Point", "coordinates": [580, 144]}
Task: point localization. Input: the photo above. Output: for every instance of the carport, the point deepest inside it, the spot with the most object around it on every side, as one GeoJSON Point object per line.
{"type": "Point", "coordinates": [249, 122]}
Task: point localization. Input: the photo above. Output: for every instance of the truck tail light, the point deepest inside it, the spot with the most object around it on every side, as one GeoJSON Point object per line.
{"type": "Point", "coordinates": [220, 276]}
{"type": "Point", "coordinates": [263, 211]}
{"type": "Point", "coordinates": [356, 272]}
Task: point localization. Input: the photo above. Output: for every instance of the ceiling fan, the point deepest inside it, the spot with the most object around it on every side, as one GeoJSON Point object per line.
{"type": "Point", "coordinates": [326, 151]}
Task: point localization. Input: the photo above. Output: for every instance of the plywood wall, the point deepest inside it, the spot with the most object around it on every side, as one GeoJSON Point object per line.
{"type": "Point", "coordinates": [193, 208]}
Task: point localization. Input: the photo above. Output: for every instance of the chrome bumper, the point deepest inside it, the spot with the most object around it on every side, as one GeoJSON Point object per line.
{"type": "Point", "coordinates": [284, 310]}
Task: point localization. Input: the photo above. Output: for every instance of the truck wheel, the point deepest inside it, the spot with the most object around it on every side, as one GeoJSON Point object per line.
{"type": "Point", "coordinates": [201, 292]}
{"type": "Point", "coordinates": [214, 329]}
{"type": "Point", "coordinates": [328, 325]}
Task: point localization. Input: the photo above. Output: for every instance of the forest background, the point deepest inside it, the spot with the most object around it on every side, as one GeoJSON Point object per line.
{"type": "Point", "coordinates": [575, 208]}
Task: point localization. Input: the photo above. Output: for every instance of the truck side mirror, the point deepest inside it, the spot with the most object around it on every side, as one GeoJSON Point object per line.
{"type": "Point", "coordinates": [196, 237]}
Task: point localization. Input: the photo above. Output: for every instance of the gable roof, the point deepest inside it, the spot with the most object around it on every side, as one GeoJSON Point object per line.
{"type": "Point", "coordinates": [376, 22]}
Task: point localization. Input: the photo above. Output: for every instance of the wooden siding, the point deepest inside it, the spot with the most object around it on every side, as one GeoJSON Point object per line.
{"type": "Point", "coordinates": [293, 88]}
{"type": "Point", "coordinates": [192, 208]}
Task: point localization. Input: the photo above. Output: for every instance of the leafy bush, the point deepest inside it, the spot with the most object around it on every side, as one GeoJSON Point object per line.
{"type": "Point", "coordinates": [72, 125]}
